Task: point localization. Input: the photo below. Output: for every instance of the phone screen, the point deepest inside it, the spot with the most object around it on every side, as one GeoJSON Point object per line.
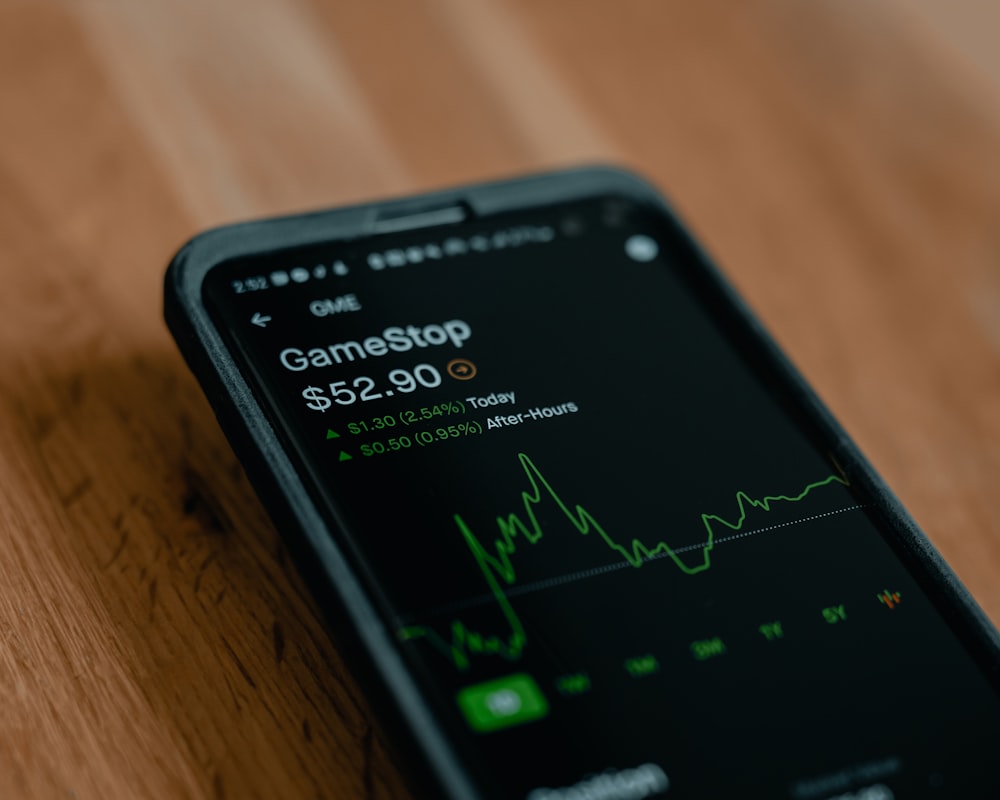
{"type": "Point", "coordinates": [616, 554]}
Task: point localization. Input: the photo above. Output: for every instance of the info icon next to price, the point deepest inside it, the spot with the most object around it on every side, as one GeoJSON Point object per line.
{"type": "Point", "coordinates": [461, 369]}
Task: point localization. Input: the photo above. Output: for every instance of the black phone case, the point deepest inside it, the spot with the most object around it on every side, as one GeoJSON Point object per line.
{"type": "Point", "coordinates": [433, 761]}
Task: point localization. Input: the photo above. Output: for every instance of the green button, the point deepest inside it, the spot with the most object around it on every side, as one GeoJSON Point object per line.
{"type": "Point", "coordinates": [502, 703]}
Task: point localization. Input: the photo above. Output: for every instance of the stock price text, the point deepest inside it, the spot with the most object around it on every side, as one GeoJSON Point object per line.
{"type": "Point", "coordinates": [364, 388]}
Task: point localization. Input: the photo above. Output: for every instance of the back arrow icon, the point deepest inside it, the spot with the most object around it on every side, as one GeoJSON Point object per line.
{"type": "Point", "coordinates": [260, 320]}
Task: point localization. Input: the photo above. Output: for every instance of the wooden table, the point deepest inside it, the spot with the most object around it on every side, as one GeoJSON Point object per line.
{"type": "Point", "coordinates": [840, 164]}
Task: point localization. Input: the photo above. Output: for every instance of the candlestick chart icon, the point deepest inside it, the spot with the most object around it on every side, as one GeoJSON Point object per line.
{"type": "Point", "coordinates": [890, 599]}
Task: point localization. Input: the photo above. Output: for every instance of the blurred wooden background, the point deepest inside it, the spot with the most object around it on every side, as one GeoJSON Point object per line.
{"type": "Point", "coordinates": [839, 158]}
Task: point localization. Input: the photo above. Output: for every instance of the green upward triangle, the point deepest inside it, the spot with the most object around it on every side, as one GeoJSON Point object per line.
{"type": "Point", "coordinates": [332, 434]}
{"type": "Point", "coordinates": [345, 456]}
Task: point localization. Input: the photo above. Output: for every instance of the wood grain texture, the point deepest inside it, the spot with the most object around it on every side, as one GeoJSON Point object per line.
{"type": "Point", "coordinates": [839, 163]}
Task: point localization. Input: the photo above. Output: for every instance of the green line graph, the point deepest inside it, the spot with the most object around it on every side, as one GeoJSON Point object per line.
{"type": "Point", "coordinates": [494, 560]}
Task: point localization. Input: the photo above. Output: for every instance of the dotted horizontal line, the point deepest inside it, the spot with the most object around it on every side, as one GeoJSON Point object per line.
{"type": "Point", "coordinates": [755, 531]}
{"type": "Point", "coordinates": [560, 580]}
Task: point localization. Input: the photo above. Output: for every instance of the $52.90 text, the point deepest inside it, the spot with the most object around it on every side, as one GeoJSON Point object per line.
{"type": "Point", "coordinates": [363, 388]}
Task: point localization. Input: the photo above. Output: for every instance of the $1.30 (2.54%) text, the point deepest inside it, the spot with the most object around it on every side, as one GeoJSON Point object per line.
{"type": "Point", "coordinates": [409, 416]}
{"type": "Point", "coordinates": [364, 388]}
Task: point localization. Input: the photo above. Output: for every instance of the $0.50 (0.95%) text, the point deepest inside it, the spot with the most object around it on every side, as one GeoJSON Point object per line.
{"type": "Point", "coordinates": [363, 388]}
{"type": "Point", "coordinates": [422, 438]}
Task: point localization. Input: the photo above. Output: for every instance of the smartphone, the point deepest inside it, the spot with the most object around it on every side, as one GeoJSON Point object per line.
{"type": "Point", "coordinates": [583, 529]}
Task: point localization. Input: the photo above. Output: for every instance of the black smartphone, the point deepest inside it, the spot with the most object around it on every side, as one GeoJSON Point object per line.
{"type": "Point", "coordinates": [584, 530]}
